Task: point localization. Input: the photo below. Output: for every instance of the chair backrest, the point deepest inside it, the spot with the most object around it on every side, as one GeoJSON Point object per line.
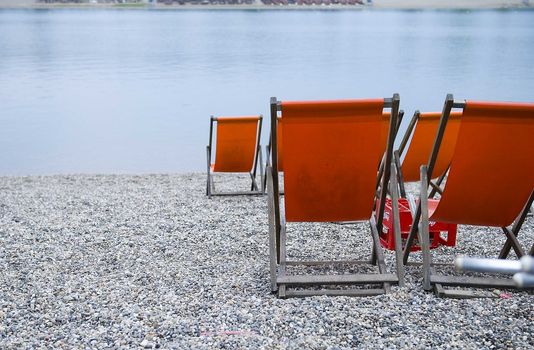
{"type": "Point", "coordinates": [492, 168]}
{"type": "Point", "coordinates": [422, 139]}
{"type": "Point", "coordinates": [332, 150]}
{"type": "Point", "coordinates": [237, 143]}
{"type": "Point", "coordinates": [280, 128]}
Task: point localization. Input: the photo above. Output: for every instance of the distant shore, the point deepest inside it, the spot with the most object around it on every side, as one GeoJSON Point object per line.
{"type": "Point", "coordinates": [375, 4]}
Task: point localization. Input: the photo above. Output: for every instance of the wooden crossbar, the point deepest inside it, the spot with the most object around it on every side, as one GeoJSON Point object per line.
{"type": "Point", "coordinates": [472, 281]}
{"type": "Point", "coordinates": [334, 292]}
{"type": "Point", "coordinates": [336, 279]}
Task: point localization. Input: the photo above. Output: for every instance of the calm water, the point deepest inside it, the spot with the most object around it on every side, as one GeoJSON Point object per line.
{"type": "Point", "coordinates": [111, 91]}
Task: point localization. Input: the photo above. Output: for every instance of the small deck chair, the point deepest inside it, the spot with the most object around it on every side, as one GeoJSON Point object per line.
{"type": "Point", "coordinates": [421, 133]}
{"type": "Point", "coordinates": [490, 183]}
{"type": "Point", "coordinates": [332, 150]}
{"type": "Point", "coordinates": [237, 151]}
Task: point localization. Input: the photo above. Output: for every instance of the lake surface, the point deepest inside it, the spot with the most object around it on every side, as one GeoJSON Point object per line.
{"type": "Point", "coordinates": [131, 91]}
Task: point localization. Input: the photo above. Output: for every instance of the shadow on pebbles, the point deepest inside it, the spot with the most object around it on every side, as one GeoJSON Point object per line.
{"type": "Point", "coordinates": [151, 262]}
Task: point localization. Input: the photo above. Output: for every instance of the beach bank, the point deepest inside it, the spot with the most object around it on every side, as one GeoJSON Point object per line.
{"type": "Point", "coordinates": [145, 261]}
{"type": "Point", "coordinates": [258, 5]}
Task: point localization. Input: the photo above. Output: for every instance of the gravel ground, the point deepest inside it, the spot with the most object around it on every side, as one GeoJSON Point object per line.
{"type": "Point", "coordinates": [150, 262]}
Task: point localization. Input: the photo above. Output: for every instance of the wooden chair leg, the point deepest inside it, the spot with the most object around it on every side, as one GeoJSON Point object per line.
{"type": "Point", "coordinates": [411, 236]}
{"type": "Point", "coordinates": [516, 227]}
{"type": "Point", "coordinates": [254, 184]}
{"type": "Point", "coordinates": [272, 230]}
{"type": "Point", "coordinates": [398, 167]}
{"type": "Point", "coordinates": [423, 230]}
{"type": "Point", "coordinates": [396, 225]}
{"type": "Point", "coordinates": [380, 259]}
{"type": "Point", "coordinates": [512, 238]}
{"type": "Point", "coordinates": [283, 258]}
{"type": "Point", "coordinates": [262, 184]}
{"type": "Point", "coordinates": [373, 255]}
{"type": "Point", "coordinates": [208, 184]}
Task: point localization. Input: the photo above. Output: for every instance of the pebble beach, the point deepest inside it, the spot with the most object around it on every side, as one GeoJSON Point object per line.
{"type": "Point", "coordinates": [118, 261]}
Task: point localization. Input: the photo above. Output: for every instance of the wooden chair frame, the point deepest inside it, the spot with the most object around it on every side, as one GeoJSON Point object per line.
{"type": "Point", "coordinates": [400, 118]}
{"type": "Point", "coordinates": [432, 280]}
{"type": "Point", "coordinates": [254, 189]}
{"type": "Point", "coordinates": [281, 282]}
{"type": "Point", "coordinates": [268, 162]}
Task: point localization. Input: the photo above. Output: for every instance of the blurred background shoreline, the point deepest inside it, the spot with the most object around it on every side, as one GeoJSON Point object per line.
{"type": "Point", "coordinates": [273, 4]}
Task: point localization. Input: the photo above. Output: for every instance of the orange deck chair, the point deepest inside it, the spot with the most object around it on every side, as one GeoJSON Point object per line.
{"type": "Point", "coordinates": [237, 151]}
{"type": "Point", "coordinates": [332, 150]}
{"type": "Point", "coordinates": [490, 183]}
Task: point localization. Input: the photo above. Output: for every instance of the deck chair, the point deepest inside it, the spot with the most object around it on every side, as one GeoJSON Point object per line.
{"type": "Point", "coordinates": [332, 150]}
{"type": "Point", "coordinates": [237, 151]}
{"type": "Point", "coordinates": [421, 133]}
{"type": "Point", "coordinates": [490, 183]}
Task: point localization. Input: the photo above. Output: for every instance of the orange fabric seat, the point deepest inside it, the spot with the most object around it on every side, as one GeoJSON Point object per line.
{"type": "Point", "coordinates": [326, 178]}
{"type": "Point", "coordinates": [280, 133]}
{"type": "Point", "coordinates": [422, 140]}
{"type": "Point", "coordinates": [432, 205]}
{"type": "Point", "coordinates": [492, 167]}
{"type": "Point", "coordinates": [236, 142]}
{"type": "Point", "coordinates": [237, 150]}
